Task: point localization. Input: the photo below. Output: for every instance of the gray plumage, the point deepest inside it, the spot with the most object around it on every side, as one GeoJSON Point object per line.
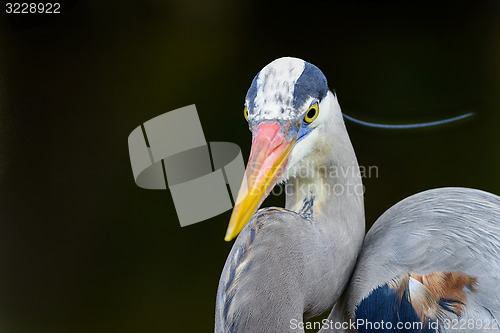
{"type": "Point", "coordinates": [294, 263]}
{"type": "Point", "coordinates": [439, 230]}
{"type": "Point", "coordinates": [283, 258]}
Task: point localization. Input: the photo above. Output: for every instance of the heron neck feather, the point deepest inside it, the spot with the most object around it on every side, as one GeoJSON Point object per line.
{"type": "Point", "coordinates": [329, 176]}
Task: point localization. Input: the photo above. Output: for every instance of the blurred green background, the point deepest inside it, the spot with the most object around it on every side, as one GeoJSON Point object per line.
{"type": "Point", "coordinates": [83, 249]}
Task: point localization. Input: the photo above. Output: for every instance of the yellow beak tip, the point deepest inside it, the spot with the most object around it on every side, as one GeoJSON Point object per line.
{"type": "Point", "coordinates": [230, 234]}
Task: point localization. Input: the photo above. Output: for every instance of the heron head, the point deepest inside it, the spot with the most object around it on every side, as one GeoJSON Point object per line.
{"type": "Point", "coordinates": [286, 106]}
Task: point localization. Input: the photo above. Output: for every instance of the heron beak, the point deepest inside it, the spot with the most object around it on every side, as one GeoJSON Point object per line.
{"type": "Point", "coordinates": [268, 156]}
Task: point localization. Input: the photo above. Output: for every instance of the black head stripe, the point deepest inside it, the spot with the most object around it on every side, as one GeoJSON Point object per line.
{"type": "Point", "coordinates": [252, 93]}
{"type": "Point", "coordinates": [311, 83]}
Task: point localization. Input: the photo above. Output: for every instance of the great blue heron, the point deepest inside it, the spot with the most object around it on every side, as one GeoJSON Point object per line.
{"type": "Point", "coordinates": [431, 258]}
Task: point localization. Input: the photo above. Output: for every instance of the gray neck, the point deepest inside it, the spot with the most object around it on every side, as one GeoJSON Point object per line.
{"type": "Point", "coordinates": [285, 267]}
{"type": "Point", "coordinates": [327, 185]}
{"type": "Point", "coordinates": [331, 195]}
{"type": "Point", "coordinates": [329, 192]}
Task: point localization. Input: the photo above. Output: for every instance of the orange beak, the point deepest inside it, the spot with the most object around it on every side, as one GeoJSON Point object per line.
{"type": "Point", "coordinates": [268, 156]}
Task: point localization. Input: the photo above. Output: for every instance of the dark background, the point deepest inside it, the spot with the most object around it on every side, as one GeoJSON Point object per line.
{"type": "Point", "coordinates": [83, 249]}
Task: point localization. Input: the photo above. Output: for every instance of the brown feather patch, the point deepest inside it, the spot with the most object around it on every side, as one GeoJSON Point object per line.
{"type": "Point", "coordinates": [448, 285]}
{"type": "Point", "coordinates": [426, 292]}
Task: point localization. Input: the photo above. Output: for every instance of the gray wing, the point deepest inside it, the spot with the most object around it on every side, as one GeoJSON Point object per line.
{"type": "Point", "coordinates": [440, 230]}
{"type": "Point", "coordinates": [270, 279]}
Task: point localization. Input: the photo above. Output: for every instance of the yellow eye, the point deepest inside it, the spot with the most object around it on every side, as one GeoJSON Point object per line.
{"type": "Point", "coordinates": [245, 113]}
{"type": "Point", "coordinates": [312, 113]}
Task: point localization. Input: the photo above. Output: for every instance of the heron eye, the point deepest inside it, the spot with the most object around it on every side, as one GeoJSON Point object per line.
{"type": "Point", "coordinates": [312, 113]}
{"type": "Point", "coordinates": [245, 113]}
